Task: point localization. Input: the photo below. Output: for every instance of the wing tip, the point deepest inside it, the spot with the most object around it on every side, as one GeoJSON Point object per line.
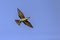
{"type": "Point", "coordinates": [31, 26]}
{"type": "Point", "coordinates": [18, 9]}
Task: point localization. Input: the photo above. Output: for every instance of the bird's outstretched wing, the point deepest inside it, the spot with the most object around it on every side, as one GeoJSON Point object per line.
{"type": "Point", "coordinates": [20, 14]}
{"type": "Point", "coordinates": [27, 23]}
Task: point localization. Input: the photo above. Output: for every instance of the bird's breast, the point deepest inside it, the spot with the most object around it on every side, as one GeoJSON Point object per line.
{"type": "Point", "coordinates": [23, 19]}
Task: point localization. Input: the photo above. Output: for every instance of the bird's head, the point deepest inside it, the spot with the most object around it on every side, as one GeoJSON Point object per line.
{"type": "Point", "coordinates": [28, 17]}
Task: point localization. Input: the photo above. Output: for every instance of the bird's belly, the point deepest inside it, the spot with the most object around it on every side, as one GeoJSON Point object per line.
{"type": "Point", "coordinates": [23, 19]}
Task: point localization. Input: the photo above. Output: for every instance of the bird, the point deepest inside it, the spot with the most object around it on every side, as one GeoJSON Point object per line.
{"type": "Point", "coordinates": [23, 19]}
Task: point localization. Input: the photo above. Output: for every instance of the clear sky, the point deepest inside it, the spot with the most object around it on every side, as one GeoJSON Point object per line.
{"type": "Point", "coordinates": [44, 16]}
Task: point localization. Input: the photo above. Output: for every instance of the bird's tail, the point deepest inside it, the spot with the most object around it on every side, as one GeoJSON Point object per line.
{"type": "Point", "coordinates": [18, 22]}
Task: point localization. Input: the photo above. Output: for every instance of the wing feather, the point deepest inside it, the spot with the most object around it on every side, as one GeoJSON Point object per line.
{"type": "Point", "coordinates": [27, 23]}
{"type": "Point", "coordinates": [20, 14]}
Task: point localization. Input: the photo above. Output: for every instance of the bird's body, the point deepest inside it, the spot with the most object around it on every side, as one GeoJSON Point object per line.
{"type": "Point", "coordinates": [23, 19]}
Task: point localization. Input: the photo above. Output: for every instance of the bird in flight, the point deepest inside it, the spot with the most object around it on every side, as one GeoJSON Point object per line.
{"type": "Point", "coordinates": [23, 19]}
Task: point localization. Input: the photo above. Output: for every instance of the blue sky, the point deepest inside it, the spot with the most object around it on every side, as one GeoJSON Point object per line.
{"type": "Point", "coordinates": [44, 16]}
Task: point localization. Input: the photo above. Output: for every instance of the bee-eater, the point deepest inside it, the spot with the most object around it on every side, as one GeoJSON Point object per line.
{"type": "Point", "coordinates": [23, 19]}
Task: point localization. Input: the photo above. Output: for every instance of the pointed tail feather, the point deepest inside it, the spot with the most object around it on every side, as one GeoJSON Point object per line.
{"type": "Point", "coordinates": [18, 22]}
